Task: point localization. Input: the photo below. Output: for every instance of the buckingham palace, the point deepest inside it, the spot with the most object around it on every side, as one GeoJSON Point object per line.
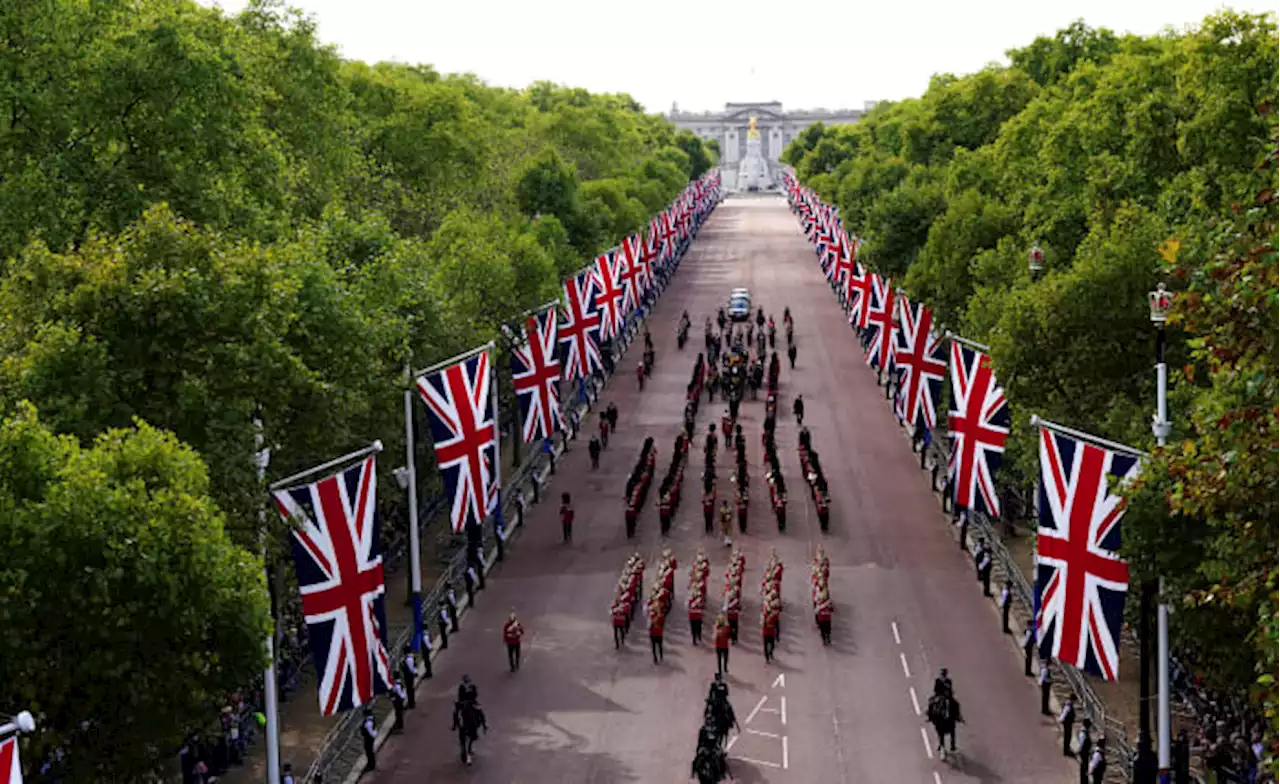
{"type": "Point", "coordinates": [777, 127]}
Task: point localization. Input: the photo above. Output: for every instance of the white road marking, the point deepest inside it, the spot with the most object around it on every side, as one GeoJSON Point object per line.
{"type": "Point", "coordinates": [905, 669]}
{"type": "Point", "coordinates": [928, 748]}
{"type": "Point", "coordinates": [780, 681]}
{"type": "Point", "coordinates": [915, 703]}
{"type": "Point", "coordinates": [756, 710]}
{"type": "Point", "coordinates": [757, 762]}
{"type": "Point", "coordinates": [936, 778]}
{"type": "Point", "coordinates": [732, 741]}
{"type": "Point", "coordinates": [784, 752]}
{"type": "Point", "coordinates": [896, 637]}
{"type": "Point", "coordinates": [768, 710]}
{"type": "Point", "coordinates": [762, 732]}
{"type": "Point", "coordinates": [784, 711]}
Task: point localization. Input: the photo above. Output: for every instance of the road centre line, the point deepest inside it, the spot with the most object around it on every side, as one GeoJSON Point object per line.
{"type": "Point", "coordinates": [784, 752]}
{"type": "Point", "coordinates": [905, 669]}
{"type": "Point", "coordinates": [928, 748]}
{"type": "Point", "coordinates": [937, 779]}
{"type": "Point", "coordinates": [896, 637]}
{"type": "Point", "coordinates": [784, 711]}
{"type": "Point", "coordinates": [915, 703]}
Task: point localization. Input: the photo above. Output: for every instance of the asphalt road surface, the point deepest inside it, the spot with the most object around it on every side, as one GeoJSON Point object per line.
{"type": "Point", "coordinates": [907, 602]}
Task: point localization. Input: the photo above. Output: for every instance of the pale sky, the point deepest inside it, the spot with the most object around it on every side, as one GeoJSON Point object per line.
{"type": "Point", "coordinates": [807, 54]}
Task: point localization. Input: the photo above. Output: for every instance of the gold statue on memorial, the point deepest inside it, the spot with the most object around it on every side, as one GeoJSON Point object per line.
{"type": "Point", "coordinates": [752, 131]}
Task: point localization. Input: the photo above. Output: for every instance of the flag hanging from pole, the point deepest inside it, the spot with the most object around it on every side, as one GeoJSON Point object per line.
{"type": "Point", "coordinates": [337, 554]}
{"type": "Point", "coordinates": [978, 426]}
{"type": "Point", "coordinates": [460, 410]}
{"type": "Point", "coordinates": [580, 328]}
{"type": "Point", "coordinates": [921, 360]}
{"type": "Point", "coordinates": [1081, 582]}
{"type": "Point", "coordinates": [535, 374]}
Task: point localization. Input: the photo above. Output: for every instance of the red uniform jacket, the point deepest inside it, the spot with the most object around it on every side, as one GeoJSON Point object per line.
{"type": "Point", "coordinates": [722, 638]}
{"type": "Point", "coordinates": [566, 514]}
{"type": "Point", "coordinates": [512, 631]}
{"type": "Point", "coordinates": [823, 611]}
{"type": "Point", "coordinates": [696, 605]}
{"type": "Point", "coordinates": [769, 628]}
{"type": "Point", "coordinates": [656, 620]}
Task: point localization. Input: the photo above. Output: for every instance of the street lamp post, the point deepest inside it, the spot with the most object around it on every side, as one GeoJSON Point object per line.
{"type": "Point", "coordinates": [271, 692]}
{"type": "Point", "coordinates": [1160, 301]}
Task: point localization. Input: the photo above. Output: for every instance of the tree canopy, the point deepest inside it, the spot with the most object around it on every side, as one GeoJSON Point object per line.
{"type": "Point", "coordinates": [1130, 161]}
{"type": "Point", "coordinates": [205, 216]}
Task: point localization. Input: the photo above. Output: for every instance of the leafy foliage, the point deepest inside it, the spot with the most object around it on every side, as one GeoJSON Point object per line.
{"type": "Point", "coordinates": [203, 217]}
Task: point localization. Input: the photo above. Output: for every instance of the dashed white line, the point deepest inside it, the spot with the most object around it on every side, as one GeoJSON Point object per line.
{"type": "Point", "coordinates": [936, 778]}
{"type": "Point", "coordinates": [784, 711]}
{"type": "Point", "coordinates": [756, 709]}
{"type": "Point", "coordinates": [784, 752]}
{"type": "Point", "coordinates": [762, 732]}
{"type": "Point", "coordinates": [896, 637]}
{"type": "Point", "coordinates": [928, 749]}
{"type": "Point", "coordinates": [902, 657]}
{"type": "Point", "coordinates": [915, 703]}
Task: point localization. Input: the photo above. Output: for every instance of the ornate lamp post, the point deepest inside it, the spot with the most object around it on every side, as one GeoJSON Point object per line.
{"type": "Point", "coordinates": [1035, 261]}
{"type": "Point", "coordinates": [1159, 302]}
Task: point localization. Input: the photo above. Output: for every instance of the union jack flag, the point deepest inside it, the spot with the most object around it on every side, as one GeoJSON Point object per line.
{"type": "Point", "coordinates": [632, 273]}
{"type": "Point", "coordinates": [609, 294]}
{"type": "Point", "coordinates": [337, 554]}
{"type": "Point", "coordinates": [460, 410]}
{"type": "Point", "coordinates": [10, 768]}
{"type": "Point", "coordinates": [535, 374]}
{"type": "Point", "coordinates": [922, 362]}
{"type": "Point", "coordinates": [858, 291]}
{"type": "Point", "coordinates": [1080, 581]}
{"type": "Point", "coordinates": [880, 324]}
{"type": "Point", "coordinates": [578, 321]}
{"type": "Point", "coordinates": [978, 427]}
{"type": "Point", "coordinates": [649, 253]}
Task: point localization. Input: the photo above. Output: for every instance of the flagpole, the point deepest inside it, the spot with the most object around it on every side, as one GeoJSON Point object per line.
{"type": "Point", "coordinates": [497, 448]}
{"type": "Point", "coordinates": [454, 360]}
{"type": "Point", "coordinates": [1036, 421]}
{"type": "Point", "coordinates": [270, 689]}
{"type": "Point", "coordinates": [415, 555]}
{"type": "Point", "coordinates": [372, 449]}
{"type": "Point", "coordinates": [966, 342]}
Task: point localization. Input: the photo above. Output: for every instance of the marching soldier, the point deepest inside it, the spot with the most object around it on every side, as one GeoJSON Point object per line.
{"type": "Point", "coordinates": [604, 430]}
{"type": "Point", "coordinates": [822, 614]}
{"type": "Point", "coordinates": [611, 413]}
{"type": "Point", "coordinates": [768, 630]}
{"type": "Point", "coordinates": [742, 510]}
{"type": "Point", "coordinates": [708, 504]}
{"type": "Point", "coordinates": [791, 351]}
{"type": "Point", "coordinates": [726, 522]}
{"type": "Point", "coordinates": [664, 510]}
{"type": "Point", "coordinates": [712, 444]}
{"type": "Point", "coordinates": [619, 612]}
{"type": "Point", "coordinates": [797, 408]}
{"type": "Point", "coordinates": [657, 617]}
{"type": "Point", "coordinates": [732, 611]}
{"type": "Point", "coordinates": [631, 513]}
{"type": "Point", "coordinates": [512, 634]}
{"type": "Point", "coordinates": [722, 644]}
{"type": "Point", "coordinates": [697, 606]}
{"type": "Point", "coordinates": [593, 449]}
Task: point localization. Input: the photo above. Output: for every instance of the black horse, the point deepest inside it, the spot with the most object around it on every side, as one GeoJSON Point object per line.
{"type": "Point", "coordinates": [468, 719]}
{"type": "Point", "coordinates": [710, 765]}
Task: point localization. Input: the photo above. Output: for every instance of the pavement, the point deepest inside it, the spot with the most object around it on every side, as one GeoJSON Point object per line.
{"type": "Point", "coordinates": [907, 602]}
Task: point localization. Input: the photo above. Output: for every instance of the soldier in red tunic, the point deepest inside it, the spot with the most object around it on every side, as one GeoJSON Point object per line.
{"type": "Point", "coordinates": [742, 511]}
{"type": "Point", "coordinates": [620, 612]}
{"type": "Point", "coordinates": [657, 617]}
{"type": "Point", "coordinates": [664, 510]}
{"type": "Point", "coordinates": [722, 644]}
{"type": "Point", "coordinates": [512, 633]}
{"type": "Point", "coordinates": [732, 611]}
{"type": "Point", "coordinates": [822, 614]}
{"type": "Point", "coordinates": [768, 630]}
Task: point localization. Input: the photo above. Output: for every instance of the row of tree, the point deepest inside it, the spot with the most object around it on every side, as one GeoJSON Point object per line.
{"type": "Point", "coordinates": [204, 218]}
{"type": "Point", "coordinates": [1130, 161]}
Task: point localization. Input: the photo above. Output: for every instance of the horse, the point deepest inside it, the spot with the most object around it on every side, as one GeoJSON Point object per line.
{"type": "Point", "coordinates": [710, 765]}
{"type": "Point", "coordinates": [719, 714]}
{"type": "Point", "coordinates": [467, 720]}
{"type": "Point", "coordinates": [943, 713]}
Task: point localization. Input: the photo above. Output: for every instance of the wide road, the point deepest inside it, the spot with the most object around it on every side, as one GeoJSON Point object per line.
{"type": "Point", "coordinates": [906, 599]}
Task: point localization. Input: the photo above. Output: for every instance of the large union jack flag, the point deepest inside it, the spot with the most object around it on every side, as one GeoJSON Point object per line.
{"type": "Point", "coordinates": [858, 292]}
{"type": "Point", "coordinates": [337, 554]}
{"type": "Point", "coordinates": [609, 295]}
{"type": "Point", "coordinates": [460, 410]}
{"type": "Point", "coordinates": [535, 374]}
{"type": "Point", "coordinates": [580, 328]}
{"type": "Point", "coordinates": [922, 362]}
{"type": "Point", "coordinates": [10, 768]}
{"type": "Point", "coordinates": [978, 426]}
{"type": "Point", "coordinates": [649, 254]}
{"type": "Point", "coordinates": [1080, 581]}
{"type": "Point", "coordinates": [880, 324]}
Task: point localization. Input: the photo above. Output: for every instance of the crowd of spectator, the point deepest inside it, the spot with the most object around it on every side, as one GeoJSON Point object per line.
{"type": "Point", "coordinates": [1228, 736]}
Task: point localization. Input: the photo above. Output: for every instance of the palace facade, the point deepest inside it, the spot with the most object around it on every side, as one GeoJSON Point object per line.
{"type": "Point", "coordinates": [777, 127]}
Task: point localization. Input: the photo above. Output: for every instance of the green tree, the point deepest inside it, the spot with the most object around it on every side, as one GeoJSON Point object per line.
{"type": "Point", "coordinates": [129, 607]}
